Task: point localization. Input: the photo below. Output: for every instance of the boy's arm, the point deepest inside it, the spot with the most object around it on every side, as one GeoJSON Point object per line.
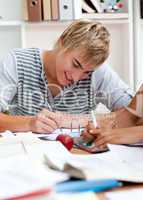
{"type": "Point", "coordinates": [43, 122]}
{"type": "Point", "coordinates": [15, 123]}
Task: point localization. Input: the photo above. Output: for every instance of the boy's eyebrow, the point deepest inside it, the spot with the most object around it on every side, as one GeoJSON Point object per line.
{"type": "Point", "coordinates": [90, 71]}
{"type": "Point", "coordinates": [78, 63]}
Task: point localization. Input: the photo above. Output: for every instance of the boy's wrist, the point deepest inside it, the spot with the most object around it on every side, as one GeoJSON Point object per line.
{"type": "Point", "coordinates": [29, 123]}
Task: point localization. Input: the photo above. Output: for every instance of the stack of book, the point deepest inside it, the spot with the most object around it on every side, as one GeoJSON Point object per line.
{"type": "Point", "coordinates": [44, 10]}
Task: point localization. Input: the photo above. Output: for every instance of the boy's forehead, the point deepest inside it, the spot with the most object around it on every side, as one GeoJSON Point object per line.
{"type": "Point", "coordinates": [81, 57]}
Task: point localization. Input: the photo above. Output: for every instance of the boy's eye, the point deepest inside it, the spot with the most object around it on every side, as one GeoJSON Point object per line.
{"type": "Point", "coordinates": [76, 65]}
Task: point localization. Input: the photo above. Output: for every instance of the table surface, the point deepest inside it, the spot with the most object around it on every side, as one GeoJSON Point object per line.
{"type": "Point", "coordinates": [102, 195]}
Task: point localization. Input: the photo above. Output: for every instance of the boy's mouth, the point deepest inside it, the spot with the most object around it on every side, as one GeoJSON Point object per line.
{"type": "Point", "coordinates": [68, 79]}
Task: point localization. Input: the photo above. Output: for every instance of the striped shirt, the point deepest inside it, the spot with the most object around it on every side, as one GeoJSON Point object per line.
{"type": "Point", "coordinates": [31, 94]}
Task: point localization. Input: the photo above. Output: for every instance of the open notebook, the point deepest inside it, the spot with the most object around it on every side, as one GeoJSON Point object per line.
{"type": "Point", "coordinates": [73, 133]}
{"type": "Point", "coordinates": [121, 163]}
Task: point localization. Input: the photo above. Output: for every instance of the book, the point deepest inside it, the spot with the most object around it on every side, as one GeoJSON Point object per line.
{"type": "Point", "coordinates": [90, 4]}
{"type": "Point", "coordinates": [77, 9]}
{"type": "Point", "coordinates": [23, 178]}
{"type": "Point", "coordinates": [141, 8]}
{"type": "Point", "coordinates": [86, 8]}
{"type": "Point", "coordinates": [120, 163]}
{"type": "Point", "coordinates": [66, 10]}
{"type": "Point", "coordinates": [97, 5]}
{"type": "Point", "coordinates": [34, 8]}
{"type": "Point", "coordinates": [46, 10]}
{"type": "Point", "coordinates": [25, 10]}
{"type": "Point", "coordinates": [55, 9]}
{"type": "Point", "coordinates": [70, 10]}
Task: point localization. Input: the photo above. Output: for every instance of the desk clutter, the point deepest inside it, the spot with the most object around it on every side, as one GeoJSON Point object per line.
{"type": "Point", "coordinates": [34, 167]}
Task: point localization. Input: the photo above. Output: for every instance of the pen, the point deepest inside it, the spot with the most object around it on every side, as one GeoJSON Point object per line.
{"type": "Point", "coordinates": [31, 194]}
{"type": "Point", "coordinates": [93, 118]}
{"type": "Point", "coordinates": [50, 107]}
{"type": "Point", "coordinates": [79, 128]}
{"type": "Point", "coordinates": [87, 185]}
{"type": "Point", "coordinates": [71, 126]}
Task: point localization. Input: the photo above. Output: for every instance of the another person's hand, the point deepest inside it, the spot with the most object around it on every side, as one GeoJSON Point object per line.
{"type": "Point", "coordinates": [44, 122]}
{"type": "Point", "coordinates": [118, 136]}
{"type": "Point", "coordinates": [112, 136]}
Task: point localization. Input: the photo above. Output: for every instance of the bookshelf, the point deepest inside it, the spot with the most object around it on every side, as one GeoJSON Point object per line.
{"type": "Point", "coordinates": [20, 34]}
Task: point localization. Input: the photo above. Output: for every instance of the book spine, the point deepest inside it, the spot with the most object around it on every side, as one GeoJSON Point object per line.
{"type": "Point", "coordinates": [25, 10]}
{"type": "Point", "coordinates": [87, 8]}
{"type": "Point", "coordinates": [34, 8]}
{"type": "Point", "coordinates": [54, 9]}
{"type": "Point", "coordinates": [47, 9]}
{"type": "Point", "coordinates": [77, 9]}
{"type": "Point", "coordinates": [66, 10]}
{"type": "Point", "coordinates": [141, 8]}
{"type": "Point", "coordinates": [97, 5]}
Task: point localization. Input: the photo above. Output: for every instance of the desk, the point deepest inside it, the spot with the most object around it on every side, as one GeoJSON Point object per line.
{"type": "Point", "coordinates": [101, 195]}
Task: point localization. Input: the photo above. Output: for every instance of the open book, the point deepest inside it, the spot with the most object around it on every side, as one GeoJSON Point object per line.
{"type": "Point", "coordinates": [121, 163]}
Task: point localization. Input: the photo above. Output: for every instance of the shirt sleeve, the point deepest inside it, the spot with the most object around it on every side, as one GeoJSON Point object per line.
{"type": "Point", "coordinates": [8, 80]}
{"type": "Point", "coordinates": [109, 89]}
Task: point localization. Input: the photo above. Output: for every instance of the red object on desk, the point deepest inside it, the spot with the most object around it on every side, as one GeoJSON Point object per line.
{"type": "Point", "coordinates": [31, 194]}
{"type": "Point", "coordinates": [66, 140]}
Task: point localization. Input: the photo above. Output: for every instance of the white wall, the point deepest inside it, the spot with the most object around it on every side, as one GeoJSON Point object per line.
{"type": "Point", "coordinates": [10, 38]}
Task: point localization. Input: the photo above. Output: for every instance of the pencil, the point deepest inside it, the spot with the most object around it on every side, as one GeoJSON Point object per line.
{"type": "Point", "coordinates": [93, 118]}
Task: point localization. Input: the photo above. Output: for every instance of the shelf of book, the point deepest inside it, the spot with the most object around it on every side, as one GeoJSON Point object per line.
{"type": "Point", "coordinates": [64, 23]}
{"type": "Point", "coordinates": [106, 16]}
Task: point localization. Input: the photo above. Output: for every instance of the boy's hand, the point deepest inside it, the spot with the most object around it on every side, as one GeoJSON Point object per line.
{"type": "Point", "coordinates": [44, 122]}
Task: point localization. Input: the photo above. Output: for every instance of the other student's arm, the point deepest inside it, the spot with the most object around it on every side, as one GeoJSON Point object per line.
{"type": "Point", "coordinates": [125, 131]}
{"type": "Point", "coordinates": [129, 135]}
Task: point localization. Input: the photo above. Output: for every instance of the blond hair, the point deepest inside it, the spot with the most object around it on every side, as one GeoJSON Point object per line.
{"type": "Point", "coordinates": [90, 37]}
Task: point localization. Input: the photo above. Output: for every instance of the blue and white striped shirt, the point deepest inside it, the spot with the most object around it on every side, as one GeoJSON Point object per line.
{"type": "Point", "coordinates": [18, 78]}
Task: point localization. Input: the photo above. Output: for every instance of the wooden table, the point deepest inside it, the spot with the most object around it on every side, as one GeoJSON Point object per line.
{"type": "Point", "coordinates": [102, 195]}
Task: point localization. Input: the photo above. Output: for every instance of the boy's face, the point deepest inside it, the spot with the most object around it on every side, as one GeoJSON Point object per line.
{"type": "Point", "coordinates": [70, 67]}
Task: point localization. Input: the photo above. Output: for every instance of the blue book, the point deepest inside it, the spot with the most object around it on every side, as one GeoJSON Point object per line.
{"type": "Point", "coordinates": [84, 186]}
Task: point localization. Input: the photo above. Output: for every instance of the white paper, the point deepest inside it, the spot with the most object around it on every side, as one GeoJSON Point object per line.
{"type": "Point", "coordinates": [20, 175]}
{"type": "Point", "coordinates": [133, 194]}
{"type": "Point", "coordinates": [14, 145]}
{"type": "Point", "coordinates": [131, 156]}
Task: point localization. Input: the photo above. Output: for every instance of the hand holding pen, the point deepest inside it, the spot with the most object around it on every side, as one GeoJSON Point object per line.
{"type": "Point", "coordinates": [44, 122]}
{"type": "Point", "coordinates": [87, 134]}
{"type": "Point", "coordinates": [92, 134]}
